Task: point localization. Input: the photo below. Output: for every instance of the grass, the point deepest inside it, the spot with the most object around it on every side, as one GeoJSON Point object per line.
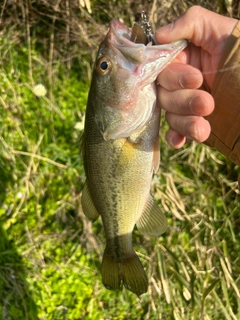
{"type": "Point", "coordinates": [50, 255]}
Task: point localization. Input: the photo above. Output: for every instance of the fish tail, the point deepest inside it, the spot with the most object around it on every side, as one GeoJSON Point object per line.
{"type": "Point", "coordinates": [129, 270]}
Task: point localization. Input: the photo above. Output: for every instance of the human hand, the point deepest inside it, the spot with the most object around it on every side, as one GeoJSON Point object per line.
{"type": "Point", "coordinates": [186, 84]}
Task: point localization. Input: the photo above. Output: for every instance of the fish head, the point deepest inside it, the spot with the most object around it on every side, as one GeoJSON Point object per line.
{"type": "Point", "coordinates": [123, 90]}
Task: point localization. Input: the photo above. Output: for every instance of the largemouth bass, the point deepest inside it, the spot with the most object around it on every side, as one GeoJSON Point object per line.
{"type": "Point", "coordinates": [120, 148]}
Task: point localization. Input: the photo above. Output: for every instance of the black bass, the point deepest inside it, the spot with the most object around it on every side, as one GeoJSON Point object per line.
{"type": "Point", "coordinates": [120, 149]}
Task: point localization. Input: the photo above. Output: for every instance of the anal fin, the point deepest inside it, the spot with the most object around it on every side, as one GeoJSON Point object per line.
{"type": "Point", "coordinates": [152, 221]}
{"type": "Point", "coordinates": [88, 206]}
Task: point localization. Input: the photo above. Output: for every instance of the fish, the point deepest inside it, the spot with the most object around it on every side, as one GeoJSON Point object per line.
{"type": "Point", "coordinates": [120, 149]}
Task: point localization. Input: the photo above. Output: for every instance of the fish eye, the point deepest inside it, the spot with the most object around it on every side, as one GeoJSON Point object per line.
{"type": "Point", "coordinates": [104, 66]}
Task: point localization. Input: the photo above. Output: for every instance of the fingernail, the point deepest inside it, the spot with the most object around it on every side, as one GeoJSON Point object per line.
{"type": "Point", "coordinates": [165, 29]}
{"type": "Point", "coordinates": [190, 80]}
{"type": "Point", "coordinates": [170, 26]}
{"type": "Point", "coordinates": [197, 105]}
{"type": "Point", "coordinates": [176, 141]}
{"type": "Point", "coordinates": [193, 131]}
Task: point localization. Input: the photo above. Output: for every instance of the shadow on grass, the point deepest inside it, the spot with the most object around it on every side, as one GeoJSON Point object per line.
{"type": "Point", "coordinates": [15, 296]}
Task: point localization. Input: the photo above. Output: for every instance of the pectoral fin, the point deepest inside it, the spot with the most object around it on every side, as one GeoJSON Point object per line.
{"type": "Point", "coordinates": [88, 206]}
{"type": "Point", "coordinates": [152, 222]}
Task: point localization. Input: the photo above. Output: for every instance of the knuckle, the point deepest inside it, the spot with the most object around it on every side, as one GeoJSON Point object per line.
{"type": "Point", "coordinates": [194, 11]}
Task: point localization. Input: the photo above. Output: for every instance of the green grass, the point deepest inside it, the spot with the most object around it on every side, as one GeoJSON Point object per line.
{"type": "Point", "coordinates": [50, 255]}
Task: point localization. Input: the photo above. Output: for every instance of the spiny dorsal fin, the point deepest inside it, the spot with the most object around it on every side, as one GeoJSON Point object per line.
{"type": "Point", "coordinates": [152, 221]}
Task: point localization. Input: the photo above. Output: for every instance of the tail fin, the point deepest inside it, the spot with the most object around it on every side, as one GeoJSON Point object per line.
{"type": "Point", "coordinates": [128, 270]}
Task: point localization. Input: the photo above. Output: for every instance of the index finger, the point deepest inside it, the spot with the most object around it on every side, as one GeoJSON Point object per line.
{"type": "Point", "coordinates": [202, 27]}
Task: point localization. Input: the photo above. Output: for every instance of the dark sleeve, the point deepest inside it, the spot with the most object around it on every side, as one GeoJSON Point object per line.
{"type": "Point", "coordinates": [225, 119]}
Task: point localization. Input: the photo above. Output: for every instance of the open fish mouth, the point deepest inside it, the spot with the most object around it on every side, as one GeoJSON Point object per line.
{"type": "Point", "coordinates": [137, 65]}
{"type": "Point", "coordinates": [140, 33]}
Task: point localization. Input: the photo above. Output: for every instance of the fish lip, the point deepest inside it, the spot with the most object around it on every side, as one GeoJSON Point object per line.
{"type": "Point", "coordinates": [118, 38]}
{"type": "Point", "coordinates": [119, 30]}
{"type": "Point", "coordinates": [120, 35]}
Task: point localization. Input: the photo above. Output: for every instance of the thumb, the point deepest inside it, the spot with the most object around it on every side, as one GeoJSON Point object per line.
{"type": "Point", "coordinates": [202, 27]}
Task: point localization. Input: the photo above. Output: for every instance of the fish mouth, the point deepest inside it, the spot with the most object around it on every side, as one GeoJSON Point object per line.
{"type": "Point", "coordinates": [119, 30]}
{"type": "Point", "coordinates": [129, 55]}
{"type": "Point", "coordinates": [129, 36]}
{"type": "Point", "coordinates": [136, 66]}
{"type": "Point", "coordinates": [119, 38]}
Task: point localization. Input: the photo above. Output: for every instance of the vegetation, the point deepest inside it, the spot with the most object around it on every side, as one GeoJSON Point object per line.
{"type": "Point", "coordinates": [50, 255]}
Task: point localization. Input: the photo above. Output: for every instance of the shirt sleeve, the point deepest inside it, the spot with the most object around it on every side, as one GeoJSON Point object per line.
{"type": "Point", "coordinates": [225, 119]}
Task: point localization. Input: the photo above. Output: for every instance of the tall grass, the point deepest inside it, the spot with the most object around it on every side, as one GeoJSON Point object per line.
{"type": "Point", "coordinates": [50, 255]}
